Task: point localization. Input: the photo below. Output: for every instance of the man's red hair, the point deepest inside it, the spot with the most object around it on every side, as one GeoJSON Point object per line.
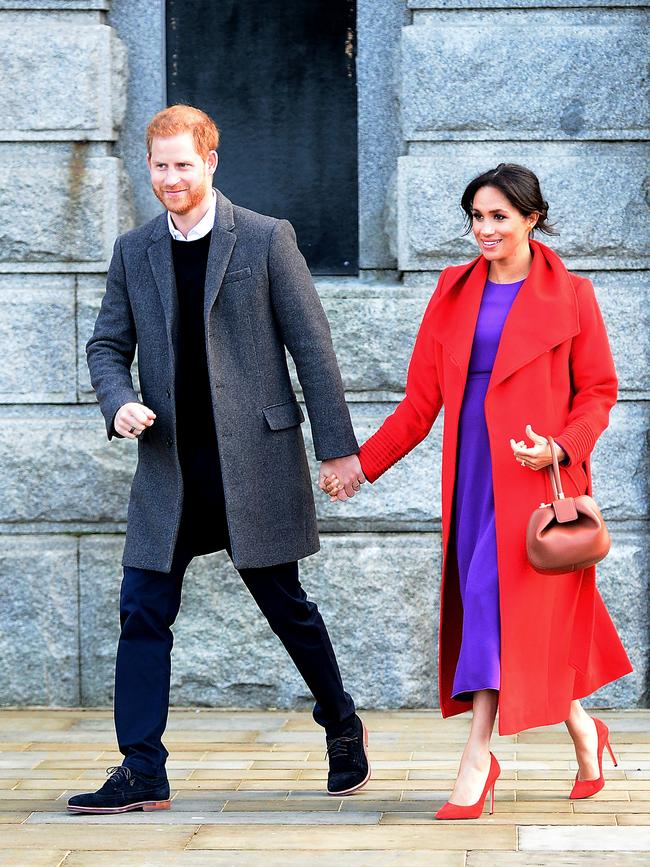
{"type": "Point", "coordinates": [178, 119]}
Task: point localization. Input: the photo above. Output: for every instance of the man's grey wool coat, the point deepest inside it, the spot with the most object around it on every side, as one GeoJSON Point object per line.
{"type": "Point", "coordinates": [259, 299]}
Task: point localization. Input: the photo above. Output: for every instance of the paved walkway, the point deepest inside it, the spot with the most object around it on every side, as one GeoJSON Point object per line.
{"type": "Point", "coordinates": [249, 790]}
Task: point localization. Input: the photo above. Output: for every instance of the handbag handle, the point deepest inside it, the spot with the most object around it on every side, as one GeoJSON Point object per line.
{"type": "Point", "coordinates": [554, 472]}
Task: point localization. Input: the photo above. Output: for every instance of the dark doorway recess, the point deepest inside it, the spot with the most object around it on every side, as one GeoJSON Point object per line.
{"type": "Point", "coordinates": [279, 78]}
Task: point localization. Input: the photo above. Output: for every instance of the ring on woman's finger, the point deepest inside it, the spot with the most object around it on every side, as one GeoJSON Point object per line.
{"type": "Point", "coordinates": [131, 430]}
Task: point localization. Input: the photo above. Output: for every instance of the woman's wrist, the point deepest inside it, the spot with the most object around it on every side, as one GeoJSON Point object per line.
{"type": "Point", "coordinates": [562, 456]}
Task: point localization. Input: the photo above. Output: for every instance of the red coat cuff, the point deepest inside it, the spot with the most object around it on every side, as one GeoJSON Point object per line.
{"type": "Point", "coordinates": [378, 454]}
{"type": "Point", "coordinates": [578, 442]}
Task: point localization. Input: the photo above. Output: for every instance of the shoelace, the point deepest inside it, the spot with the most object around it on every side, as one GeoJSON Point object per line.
{"type": "Point", "coordinates": [119, 773]}
{"type": "Point", "coordinates": [337, 748]}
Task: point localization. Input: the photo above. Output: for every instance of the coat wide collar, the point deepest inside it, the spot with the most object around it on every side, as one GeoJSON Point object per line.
{"type": "Point", "coordinates": [543, 315]}
{"type": "Point", "coordinates": [159, 253]}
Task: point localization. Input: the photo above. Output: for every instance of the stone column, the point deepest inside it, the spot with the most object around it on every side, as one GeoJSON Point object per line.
{"type": "Point", "coordinates": [63, 200]}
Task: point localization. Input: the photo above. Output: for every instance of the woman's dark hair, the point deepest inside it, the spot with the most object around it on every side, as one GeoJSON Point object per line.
{"type": "Point", "coordinates": [519, 185]}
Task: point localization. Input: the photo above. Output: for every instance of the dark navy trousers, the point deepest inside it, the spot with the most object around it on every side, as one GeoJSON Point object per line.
{"type": "Point", "coordinates": [149, 603]}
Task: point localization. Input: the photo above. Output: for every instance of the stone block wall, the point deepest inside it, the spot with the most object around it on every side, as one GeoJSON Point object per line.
{"type": "Point", "coordinates": [446, 89]}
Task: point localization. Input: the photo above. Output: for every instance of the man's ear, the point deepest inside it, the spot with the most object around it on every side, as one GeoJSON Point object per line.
{"type": "Point", "coordinates": [213, 161]}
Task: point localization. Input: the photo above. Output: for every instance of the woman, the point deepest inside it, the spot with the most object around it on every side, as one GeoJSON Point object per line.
{"type": "Point", "coordinates": [510, 343]}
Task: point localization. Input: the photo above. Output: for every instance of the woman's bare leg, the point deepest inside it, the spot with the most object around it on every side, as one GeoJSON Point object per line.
{"type": "Point", "coordinates": [585, 740]}
{"type": "Point", "coordinates": [475, 761]}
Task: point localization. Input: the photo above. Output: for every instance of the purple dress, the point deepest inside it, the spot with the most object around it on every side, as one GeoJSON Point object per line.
{"type": "Point", "coordinates": [479, 659]}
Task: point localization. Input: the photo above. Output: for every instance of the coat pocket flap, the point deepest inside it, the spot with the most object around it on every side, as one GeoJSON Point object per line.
{"type": "Point", "coordinates": [240, 274]}
{"type": "Point", "coordinates": [283, 415]}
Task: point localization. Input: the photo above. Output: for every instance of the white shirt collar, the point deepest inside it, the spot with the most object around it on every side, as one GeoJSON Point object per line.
{"type": "Point", "coordinates": [201, 229]}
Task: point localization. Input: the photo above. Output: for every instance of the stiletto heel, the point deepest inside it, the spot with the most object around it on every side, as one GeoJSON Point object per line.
{"type": "Point", "coordinates": [611, 752]}
{"type": "Point", "coordinates": [473, 811]}
{"type": "Point", "coordinates": [587, 788]}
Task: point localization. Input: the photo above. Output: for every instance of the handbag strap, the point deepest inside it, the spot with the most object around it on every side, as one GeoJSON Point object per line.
{"type": "Point", "coordinates": [554, 471]}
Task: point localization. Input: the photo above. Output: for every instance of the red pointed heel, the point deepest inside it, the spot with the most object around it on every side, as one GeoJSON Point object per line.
{"type": "Point", "coordinates": [611, 752]}
{"type": "Point", "coordinates": [587, 788]}
{"type": "Point", "coordinates": [473, 811]}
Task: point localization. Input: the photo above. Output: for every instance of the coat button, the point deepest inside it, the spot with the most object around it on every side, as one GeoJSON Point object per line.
{"type": "Point", "coordinates": [170, 442]}
{"type": "Point", "coordinates": [169, 392]}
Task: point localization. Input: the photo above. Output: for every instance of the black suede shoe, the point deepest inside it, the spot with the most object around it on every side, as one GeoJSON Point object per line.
{"type": "Point", "coordinates": [348, 757]}
{"type": "Point", "coordinates": [123, 791]}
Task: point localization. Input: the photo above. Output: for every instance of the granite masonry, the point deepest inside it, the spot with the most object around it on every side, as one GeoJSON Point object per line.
{"type": "Point", "coordinates": [446, 88]}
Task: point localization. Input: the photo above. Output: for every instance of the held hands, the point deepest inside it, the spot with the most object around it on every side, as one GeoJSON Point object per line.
{"type": "Point", "coordinates": [341, 478]}
{"type": "Point", "coordinates": [131, 419]}
{"type": "Point", "coordinates": [539, 455]}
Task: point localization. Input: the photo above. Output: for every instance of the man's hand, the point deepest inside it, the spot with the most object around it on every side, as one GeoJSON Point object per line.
{"type": "Point", "coordinates": [131, 419]}
{"type": "Point", "coordinates": [341, 478]}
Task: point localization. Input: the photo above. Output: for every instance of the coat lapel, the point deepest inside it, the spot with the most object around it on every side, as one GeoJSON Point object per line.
{"type": "Point", "coordinates": [543, 315]}
{"type": "Point", "coordinates": [162, 267]}
{"type": "Point", "coordinates": [456, 311]}
{"type": "Point", "coordinates": [159, 252]}
{"type": "Point", "coordinates": [221, 247]}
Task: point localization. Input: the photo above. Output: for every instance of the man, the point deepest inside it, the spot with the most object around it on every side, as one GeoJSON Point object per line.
{"type": "Point", "coordinates": [211, 294]}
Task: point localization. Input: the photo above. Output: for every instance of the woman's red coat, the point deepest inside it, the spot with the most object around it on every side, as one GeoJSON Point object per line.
{"type": "Point", "coordinates": [553, 370]}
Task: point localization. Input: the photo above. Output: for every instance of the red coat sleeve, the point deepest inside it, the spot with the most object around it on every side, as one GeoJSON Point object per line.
{"type": "Point", "coordinates": [593, 377]}
{"type": "Point", "coordinates": [413, 418]}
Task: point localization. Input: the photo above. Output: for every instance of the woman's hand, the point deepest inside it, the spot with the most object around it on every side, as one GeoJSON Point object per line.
{"type": "Point", "coordinates": [539, 455]}
{"type": "Point", "coordinates": [341, 478]}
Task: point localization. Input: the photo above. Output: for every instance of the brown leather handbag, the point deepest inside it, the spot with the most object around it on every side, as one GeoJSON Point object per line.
{"type": "Point", "coordinates": [568, 534]}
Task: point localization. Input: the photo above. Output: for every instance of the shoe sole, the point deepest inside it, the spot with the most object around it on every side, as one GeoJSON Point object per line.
{"type": "Point", "coordinates": [369, 774]}
{"type": "Point", "coordinates": [145, 806]}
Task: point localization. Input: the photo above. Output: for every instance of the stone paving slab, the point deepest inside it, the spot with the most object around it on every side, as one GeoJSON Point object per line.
{"type": "Point", "coordinates": [584, 838]}
{"type": "Point", "coordinates": [21, 806]}
{"type": "Point", "coordinates": [174, 817]}
{"type": "Point", "coordinates": [92, 837]}
{"type": "Point", "coordinates": [312, 837]}
{"type": "Point", "coordinates": [505, 818]}
{"type": "Point", "coordinates": [278, 858]}
{"type": "Point", "coordinates": [249, 789]}
{"type": "Point", "coordinates": [13, 819]}
{"type": "Point", "coordinates": [32, 857]}
{"type": "Point", "coordinates": [559, 859]}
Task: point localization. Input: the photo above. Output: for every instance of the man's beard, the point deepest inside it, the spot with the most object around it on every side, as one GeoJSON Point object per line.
{"type": "Point", "coordinates": [181, 204]}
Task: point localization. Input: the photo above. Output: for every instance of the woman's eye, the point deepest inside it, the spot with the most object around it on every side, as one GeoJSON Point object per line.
{"type": "Point", "coordinates": [476, 216]}
{"type": "Point", "coordinates": [499, 216]}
